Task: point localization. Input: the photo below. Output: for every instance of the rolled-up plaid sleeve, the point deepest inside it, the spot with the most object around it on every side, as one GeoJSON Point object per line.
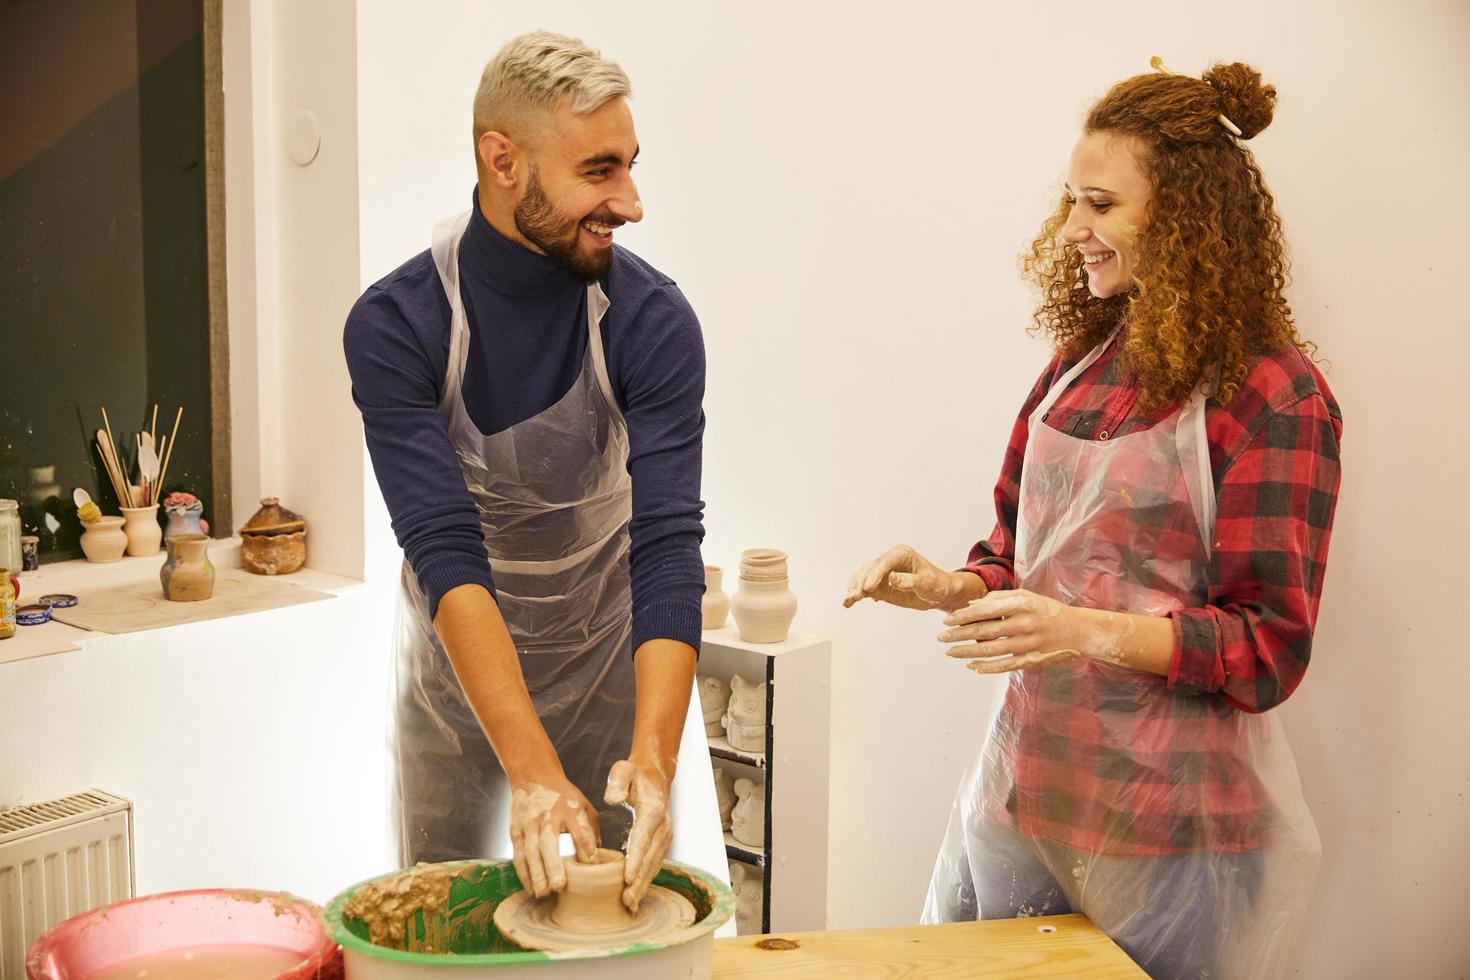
{"type": "Point", "coordinates": [1276, 497]}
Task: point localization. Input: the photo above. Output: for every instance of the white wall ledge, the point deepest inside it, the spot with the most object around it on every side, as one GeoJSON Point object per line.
{"type": "Point", "coordinates": [80, 577]}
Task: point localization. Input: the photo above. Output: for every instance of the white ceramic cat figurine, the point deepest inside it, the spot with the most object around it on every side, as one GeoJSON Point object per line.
{"type": "Point", "coordinates": [745, 722]}
{"type": "Point", "coordinates": [745, 881]}
{"type": "Point", "coordinates": [725, 795]}
{"type": "Point", "coordinates": [748, 819]}
{"type": "Point", "coordinates": [714, 699]}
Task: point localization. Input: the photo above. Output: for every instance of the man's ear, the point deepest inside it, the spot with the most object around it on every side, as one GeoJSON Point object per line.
{"type": "Point", "coordinates": [500, 159]}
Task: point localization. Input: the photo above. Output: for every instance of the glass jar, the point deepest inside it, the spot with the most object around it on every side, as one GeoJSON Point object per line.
{"type": "Point", "coordinates": [10, 535]}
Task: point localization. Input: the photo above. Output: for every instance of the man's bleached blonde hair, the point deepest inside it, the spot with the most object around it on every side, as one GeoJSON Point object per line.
{"type": "Point", "coordinates": [534, 74]}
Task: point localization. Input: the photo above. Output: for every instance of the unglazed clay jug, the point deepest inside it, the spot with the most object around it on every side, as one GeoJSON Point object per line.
{"type": "Point", "coordinates": [764, 605]}
{"type": "Point", "coordinates": [715, 608]}
{"type": "Point", "coordinates": [187, 575]}
{"type": "Point", "coordinates": [144, 532]}
{"type": "Point", "coordinates": [104, 540]}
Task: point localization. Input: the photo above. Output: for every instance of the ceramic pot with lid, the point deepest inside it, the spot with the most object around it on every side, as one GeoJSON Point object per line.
{"type": "Point", "coordinates": [273, 542]}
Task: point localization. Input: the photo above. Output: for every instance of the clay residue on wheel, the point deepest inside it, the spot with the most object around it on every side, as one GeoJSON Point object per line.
{"type": "Point", "coordinates": [386, 905]}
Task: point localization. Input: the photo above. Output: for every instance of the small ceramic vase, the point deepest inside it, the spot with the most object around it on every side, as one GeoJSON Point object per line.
{"type": "Point", "coordinates": [745, 881]}
{"type": "Point", "coordinates": [714, 699]}
{"type": "Point", "coordinates": [724, 795]}
{"type": "Point", "coordinates": [183, 520]}
{"type": "Point", "coordinates": [273, 542]}
{"type": "Point", "coordinates": [141, 526]}
{"type": "Point", "coordinates": [748, 819]}
{"type": "Point", "coordinates": [715, 608]}
{"type": "Point", "coordinates": [764, 605]}
{"type": "Point", "coordinates": [745, 720]}
{"type": "Point", "coordinates": [104, 540]}
{"type": "Point", "coordinates": [187, 575]}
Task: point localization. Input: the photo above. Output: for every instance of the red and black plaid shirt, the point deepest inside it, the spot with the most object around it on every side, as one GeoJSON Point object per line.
{"type": "Point", "coordinates": [1274, 456]}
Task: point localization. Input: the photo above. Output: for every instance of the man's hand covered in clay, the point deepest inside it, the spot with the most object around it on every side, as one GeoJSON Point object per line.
{"type": "Point", "coordinates": [903, 577]}
{"type": "Point", "coordinates": [540, 812]}
{"type": "Point", "coordinates": [640, 784]}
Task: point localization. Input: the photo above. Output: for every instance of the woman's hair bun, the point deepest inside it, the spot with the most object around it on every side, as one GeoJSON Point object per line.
{"type": "Point", "coordinates": [1244, 100]}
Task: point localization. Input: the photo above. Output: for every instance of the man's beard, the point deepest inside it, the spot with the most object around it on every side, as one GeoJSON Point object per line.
{"type": "Point", "coordinates": [539, 221]}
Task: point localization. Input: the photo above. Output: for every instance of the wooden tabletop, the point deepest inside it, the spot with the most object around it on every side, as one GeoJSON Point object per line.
{"type": "Point", "coordinates": [1041, 946]}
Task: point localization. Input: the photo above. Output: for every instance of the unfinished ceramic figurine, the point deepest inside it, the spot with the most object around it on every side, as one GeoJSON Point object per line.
{"type": "Point", "coordinates": [724, 795]}
{"type": "Point", "coordinates": [745, 721]}
{"type": "Point", "coordinates": [714, 699]}
{"type": "Point", "coordinates": [749, 890]}
{"type": "Point", "coordinates": [748, 819]}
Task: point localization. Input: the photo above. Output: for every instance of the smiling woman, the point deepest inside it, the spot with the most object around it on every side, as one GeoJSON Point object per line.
{"type": "Point", "coordinates": [1151, 586]}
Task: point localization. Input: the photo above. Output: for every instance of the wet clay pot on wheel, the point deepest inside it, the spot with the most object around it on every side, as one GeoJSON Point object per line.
{"type": "Point", "coordinates": [764, 606]}
{"type": "Point", "coordinates": [273, 542]}
{"type": "Point", "coordinates": [593, 898]}
{"type": "Point", "coordinates": [589, 912]}
{"type": "Point", "coordinates": [187, 576]}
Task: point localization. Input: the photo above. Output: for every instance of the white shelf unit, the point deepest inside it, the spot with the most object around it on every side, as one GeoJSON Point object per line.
{"type": "Point", "coordinates": [794, 768]}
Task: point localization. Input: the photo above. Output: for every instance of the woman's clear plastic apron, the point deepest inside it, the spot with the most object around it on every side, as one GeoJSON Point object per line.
{"type": "Point", "coordinates": [555, 499]}
{"type": "Point", "coordinates": [1088, 766]}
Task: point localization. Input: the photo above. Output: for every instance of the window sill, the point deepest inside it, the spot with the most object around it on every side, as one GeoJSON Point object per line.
{"type": "Point", "coordinates": [79, 577]}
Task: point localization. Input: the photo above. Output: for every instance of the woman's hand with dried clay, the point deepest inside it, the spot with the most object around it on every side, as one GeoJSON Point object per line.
{"type": "Point", "coordinates": [1012, 630]}
{"type": "Point", "coordinates": [540, 812]}
{"type": "Point", "coordinates": [903, 577]}
{"type": "Point", "coordinates": [642, 786]}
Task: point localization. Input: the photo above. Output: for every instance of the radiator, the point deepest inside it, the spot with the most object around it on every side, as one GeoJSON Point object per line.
{"type": "Point", "coordinates": [59, 859]}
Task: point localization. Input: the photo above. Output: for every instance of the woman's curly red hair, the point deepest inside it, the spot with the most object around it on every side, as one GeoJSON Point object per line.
{"type": "Point", "coordinates": [1211, 284]}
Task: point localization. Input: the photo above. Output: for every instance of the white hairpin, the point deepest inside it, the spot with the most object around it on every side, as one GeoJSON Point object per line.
{"type": "Point", "coordinates": [1158, 65]}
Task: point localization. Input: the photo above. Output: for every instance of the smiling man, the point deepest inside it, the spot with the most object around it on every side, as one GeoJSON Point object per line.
{"type": "Point", "coordinates": [531, 394]}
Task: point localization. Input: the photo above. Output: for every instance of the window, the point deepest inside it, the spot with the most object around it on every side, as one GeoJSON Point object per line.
{"type": "Point", "coordinates": [111, 252]}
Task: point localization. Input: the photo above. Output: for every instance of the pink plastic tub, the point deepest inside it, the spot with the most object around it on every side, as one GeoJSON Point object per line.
{"type": "Point", "coordinates": [177, 921]}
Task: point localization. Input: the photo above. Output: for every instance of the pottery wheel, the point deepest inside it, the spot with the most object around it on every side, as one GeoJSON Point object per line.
{"type": "Point", "coordinates": [526, 921]}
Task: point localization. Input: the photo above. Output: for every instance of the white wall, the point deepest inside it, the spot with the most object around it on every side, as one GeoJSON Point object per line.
{"type": "Point", "coordinates": [252, 748]}
{"type": "Point", "coordinates": [293, 270]}
{"type": "Point", "coordinates": [842, 192]}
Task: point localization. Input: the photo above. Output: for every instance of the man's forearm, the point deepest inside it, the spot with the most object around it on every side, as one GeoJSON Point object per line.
{"type": "Point", "coordinates": [485, 662]}
{"type": "Point", "coordinates": [665, 676]}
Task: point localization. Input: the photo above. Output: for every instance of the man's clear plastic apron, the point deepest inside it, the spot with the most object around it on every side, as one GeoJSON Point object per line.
{"type": "Point", "coordinates": [555, 499]}
{"type": "Point", "coordinates": [1126, 525]}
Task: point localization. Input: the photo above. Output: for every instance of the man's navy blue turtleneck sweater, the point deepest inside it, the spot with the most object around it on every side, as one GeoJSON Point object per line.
{"type": "Point", "coordinates": [528, 336]}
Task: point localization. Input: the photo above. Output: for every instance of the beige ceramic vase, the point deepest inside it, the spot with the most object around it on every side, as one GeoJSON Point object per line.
{"type": "Point", "coordinates": [715, 608]}
{"type": "Point", "coordinates": [592, 901]}
{"type": "Point", "coordinates": [187, 576]}
{"type": "Point", "coordinates": [764, 605]}
{"type": "Point", "coordinates": [104, 540]}
{"type": "Point", "coordinates": [144, 532]}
